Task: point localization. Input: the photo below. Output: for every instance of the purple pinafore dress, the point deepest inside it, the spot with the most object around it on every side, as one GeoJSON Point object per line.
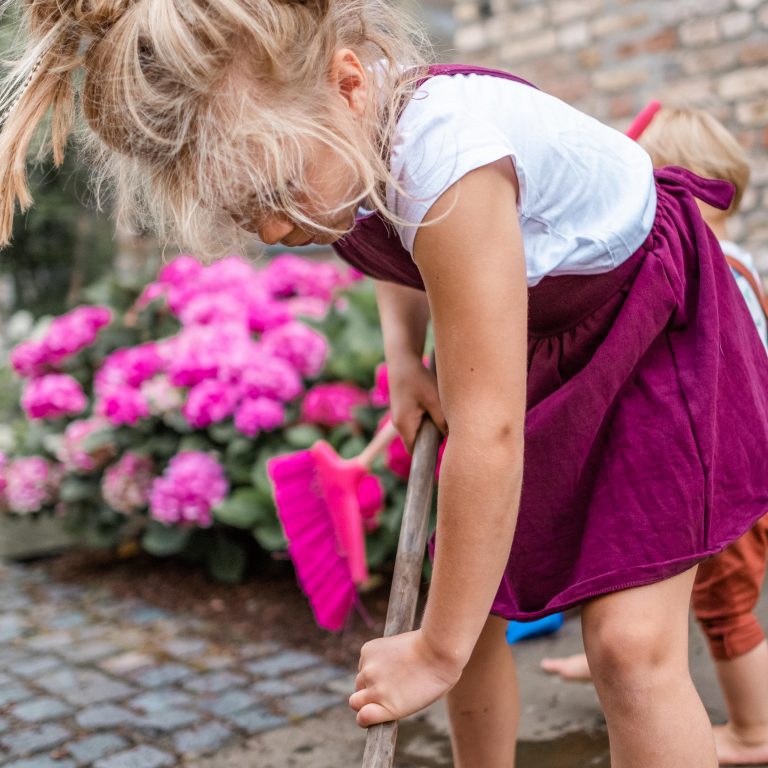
{"type": "Point", "coordinates": [646, 439]}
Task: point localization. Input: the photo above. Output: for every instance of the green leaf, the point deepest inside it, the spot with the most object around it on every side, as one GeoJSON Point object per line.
{"type": "Point", "coordinates": [74, 489]}
{"type": "Point", "coordinates": [163, 540]}
{"type": "Point", "coordinates": [194, 443]}
{"type": "Point", "coordinates": [242, 509]}
{"type": "Point", "coordinates": [98, 440]}
{"type": "Point", "coordinates": [302, 436]}
{"type": "Point", "coordinates": [227, 560]}
{"type": "Point", "coordinates": [223, 432]}
{"type": "Point", "coordinates": [270, 537]}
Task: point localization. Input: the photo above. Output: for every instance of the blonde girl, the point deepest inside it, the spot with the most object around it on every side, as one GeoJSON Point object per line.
{"type": "Point", "coordinates": [593, 456]}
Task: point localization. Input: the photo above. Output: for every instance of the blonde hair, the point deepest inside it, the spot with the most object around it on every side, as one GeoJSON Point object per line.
{"type": "Point", "coordinates": [198, 112]}
{"type": "Point", "coordinates": [694, 139]}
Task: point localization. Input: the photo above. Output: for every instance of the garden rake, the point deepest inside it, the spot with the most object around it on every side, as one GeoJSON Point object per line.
{"type": "Point", "coordinates": [380, 741]}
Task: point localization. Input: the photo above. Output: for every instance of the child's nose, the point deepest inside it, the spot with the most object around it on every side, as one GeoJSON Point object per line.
{"type": "Point", "coordinates": [274, 231]}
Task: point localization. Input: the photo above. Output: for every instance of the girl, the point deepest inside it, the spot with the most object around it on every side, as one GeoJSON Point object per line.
{"type": "Point", "coordinates": [563, 281]}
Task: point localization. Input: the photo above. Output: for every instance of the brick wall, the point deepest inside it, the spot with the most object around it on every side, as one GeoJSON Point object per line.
{"type": "Point", "coordinates": [609, 57]}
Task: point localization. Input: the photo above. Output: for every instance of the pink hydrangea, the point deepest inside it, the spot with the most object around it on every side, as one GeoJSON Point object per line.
{"type": "Point", "coordinates": [370, 497]}
{"type": "Point", "coordinates": [380, 391]}
{"type": "Point", "coordinates": [259, 414]}
{"type": "Point", "coordinates": [127, 483]}
{"type": "Point", "coordinates": [31, 484]}
{"type": "Point", "coordinates": [53, 395]}
{"type": "Point", "coordinates": [73, 453]}
{"type": "Point", "coordinates": [264, 314]}
{"type": "Point", "coordinates": [288, 275]}
{"type": "Point", "coordinates": [149, 294]}
{"type": "Point", "coordinates": [304, 348]}
{"type": "Point", "coordinates": [209, 309]}
{"type": "Point", "coordinates": [3, 480]}
{"type": "Point", "coordinates": [267, 376]}
{"type": "Point", "coordinates": [122, 404]}
{"type": "Point", "coordinates": [191, 486]}
{"type": "Point", "coordinates": [209, 402]}
{"type": "Point", "coordinates": [332, 404]}
{"type": "Point", "coordinates": [74, 331]}
{"type": "Point", "coordinates": [397, 458]}
{"type": "Point", "coordinates": [129, 366]}
{"type": "Point", "coordinates": [30, 358]}
{"type": "Point", "coordinates": [161, 396]}
{"type": "Point", "coordinates": [182, 269]}
{"type": "Point", "coordinates": [306, 306]}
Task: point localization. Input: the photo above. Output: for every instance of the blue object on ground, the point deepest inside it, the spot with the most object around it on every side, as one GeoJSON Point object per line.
{"type": "Point", "coordinates": [524, 630]}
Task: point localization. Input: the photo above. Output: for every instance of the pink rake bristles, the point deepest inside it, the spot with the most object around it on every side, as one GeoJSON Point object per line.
{"type": "Point", "coordinates": [643, 119]}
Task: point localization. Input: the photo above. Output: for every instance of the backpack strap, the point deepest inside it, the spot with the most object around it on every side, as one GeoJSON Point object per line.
{"type": "Point", "coordinates": [737, 266]}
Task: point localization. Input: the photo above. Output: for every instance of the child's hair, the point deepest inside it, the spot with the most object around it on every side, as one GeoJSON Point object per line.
{"type": "Point", "coordinates": [694, 139]}
{"type": "Point", "coordinates": [199, 112]}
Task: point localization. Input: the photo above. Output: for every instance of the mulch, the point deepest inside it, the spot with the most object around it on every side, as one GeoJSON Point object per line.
{"type": "Point", "coordinates": [267, 606]}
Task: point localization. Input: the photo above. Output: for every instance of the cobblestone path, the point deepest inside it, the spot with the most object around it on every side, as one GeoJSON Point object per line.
{"type": "Point", "coordinates": [89, 679]}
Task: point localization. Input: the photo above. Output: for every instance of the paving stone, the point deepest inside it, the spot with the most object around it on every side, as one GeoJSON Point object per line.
{"type": "Point", "coordinates": [282, 663]}
{"type": "Point", "coordinates": [138, 757]}
{"type": "Point", "coordinates": [252, 650]}
{"type": "Point", "coordinates": [51, 641]}
{"type": "Point", "coordinates": [315, 677]}
{"type": "Point", "coordinates": [83, 653]}
{"type": "Point", "coordinates": [183, 649]}
{"type": "Point", "coordinates": [146, 615]}
{"type": "Point", "coordinates": [167, 720]}
{"type": "Point", "coordinates": [273, 688]}
{"type": "Point", "coordinates": [162, 674]}
{"type": "Point", "coordinates": [59, 592]}
{"type": "Point", "coordinates": [41, 709]}
{"type": "Point", "coordinates": [30, 740]}
{"type": "Point", "coordinates": [215, 682]}
{"type": "Point", "coordinates": [205, 738]}
{"type": "Point", "coordinates": [344, 686]}
{"type": "Point", "coordinates": [34, 667]}
{"type": "Point", "coordinates": [127, 662]}
{"type": "Point", "coordinates": [10, 656]}
{"type": "Point", "coordinates": [156, 701]}
{"type": "Point", "coordinates": [309, 703]}
{"type": "Point", "coordinates": [104, 716]}
{"type": "Point", "coordinates": [213, 662]}
{"type": "Point", "coordinates": [229, 703]}
{"type": "Point", "coordinates": [4, 725]}
{"type": "Point", "coordinates": [42, 761]}
{"type": "Point", "coordinates": [13, 694]}
{"type": "Point", "coordinates": [257, 720]}
{"type": "Point", "coordinates": [84, 686]}
{"type": "Point", "coordinates": [67, 620]}
{"type": "Point", "coordinates": [95, 747]}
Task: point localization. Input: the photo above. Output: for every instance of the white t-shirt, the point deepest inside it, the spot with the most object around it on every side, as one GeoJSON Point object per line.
{"type": "Point", "coordinates": [753, 303]}
{"type": "Point", "coordinates": [587, 196]}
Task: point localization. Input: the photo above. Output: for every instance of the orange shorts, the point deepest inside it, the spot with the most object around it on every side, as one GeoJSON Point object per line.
{"type": "Point", "coordinates": [726, 591]}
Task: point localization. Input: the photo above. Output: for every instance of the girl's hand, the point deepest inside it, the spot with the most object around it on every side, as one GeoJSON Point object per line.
{"type": "Point", "coordinates": [398, 676]}
{"type": "Point", "coordinates": [412, 392]}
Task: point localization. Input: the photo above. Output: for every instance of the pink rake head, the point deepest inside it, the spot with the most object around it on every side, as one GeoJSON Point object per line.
{"type": "Point", "coordinates": [643, 119]}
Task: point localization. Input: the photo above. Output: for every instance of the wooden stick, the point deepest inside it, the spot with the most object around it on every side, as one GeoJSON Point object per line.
{"type": "Point", "coordinates": [380, 741]}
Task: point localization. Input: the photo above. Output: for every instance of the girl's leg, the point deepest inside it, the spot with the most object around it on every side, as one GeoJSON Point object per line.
{"type": "Point", "coordinates": [483, 706]}
{"type": "Point", "coordinates": [743, 740]}
{"type": "Point", "coordinates": [637, 645]}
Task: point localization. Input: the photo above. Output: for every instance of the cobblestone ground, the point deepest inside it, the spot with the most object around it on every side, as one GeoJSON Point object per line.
{"type": "Point", "coordinates": [89, 679]}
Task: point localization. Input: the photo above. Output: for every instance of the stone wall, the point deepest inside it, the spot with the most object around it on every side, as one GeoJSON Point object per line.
{"type": "Point", "coordinates": [609, 57]}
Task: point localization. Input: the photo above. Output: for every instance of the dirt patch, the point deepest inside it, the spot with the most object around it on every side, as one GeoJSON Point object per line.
{"type": "Point", "coordinates": [267, 606]}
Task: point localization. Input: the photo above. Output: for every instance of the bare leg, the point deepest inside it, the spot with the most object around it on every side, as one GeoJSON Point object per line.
{"type": "Point", "coordinates": [743, 740]}
{"type": "Point", "coordinates": [484, 705]}
{"type": "Point", "coordinates": [637, 645]}
{"type": "Point", "coordinates": [573, 669]}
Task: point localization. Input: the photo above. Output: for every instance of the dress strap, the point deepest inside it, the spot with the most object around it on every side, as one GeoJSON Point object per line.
{"type": "Point", "coordinates": [715, 192]}
{"type": "Point", "coordinates": [737, 266]}
{"type": "Point", "coordinates": [467, 69]}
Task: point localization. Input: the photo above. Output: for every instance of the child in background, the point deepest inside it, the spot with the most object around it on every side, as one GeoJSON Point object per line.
{"type": "Point", "coordinates": [571, 293]}
{"type": "Point", "coordinates": [727, 586]}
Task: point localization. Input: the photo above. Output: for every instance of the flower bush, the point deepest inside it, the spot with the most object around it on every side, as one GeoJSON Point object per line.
{"type": "Point", "coordinates": [154, 419]}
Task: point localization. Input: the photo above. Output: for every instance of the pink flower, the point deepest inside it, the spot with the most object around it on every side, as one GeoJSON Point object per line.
{"type": "Point", "coordinates": [380, 391]}
{"type": "Point", "coordinates": [129, 366]}
{"type": "Point", "coordinates": [209, 402]}
{"type": "Point", "coordinates": [127, 483]}
{"type": "Point", "coordinates": [288, 275]}
{"type": "Point", "coordinates": [74, 331]}
{"type": "Point", "coordinates": [53, 395]}
{"type": "Point", "coordinates": [266, 376]}
{"type": "Point", "coordinates": [191, 486]}
{"type": "Point", "coordinates": [122, 404]}
{"type": "Point", "coordinates": [259, 414]}
{"type": "Point", "coordinates": [307, 306]}
{"type": "Point", "coordinates": [73, 453]}
{"type": "Point", "coordinates": [150, 293]}
{"type": "Point", "coordinates": [181, 270]}
{"type": "Point", "coordinates": [209, 309]}
{"type": "Point", "coordinates": [161, 396]}
{"type": "Point", "coordinates": [332, 404]}
{"type": "Point", "coordinates": [370, 497]}
{"type": "Point", "coordinates": [31, 484]}
{"type": "Point", "coordinates": [3, 479]}
{"type": "Point", "coordinates": [264, 314]}
{"type": "Point", "coordinates": [30, 358]}
{"type": "Point", "coordinates": [304, 348]}
{"type": "Point", "coordinates": [397, 458]}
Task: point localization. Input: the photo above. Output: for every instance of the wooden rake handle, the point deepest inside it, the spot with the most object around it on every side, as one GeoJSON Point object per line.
{"type": "Point", "coordinates": [380, 741]}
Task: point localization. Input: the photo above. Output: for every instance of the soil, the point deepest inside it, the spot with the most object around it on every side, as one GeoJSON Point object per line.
{"type": "Point", "coordinates": [268, 606]}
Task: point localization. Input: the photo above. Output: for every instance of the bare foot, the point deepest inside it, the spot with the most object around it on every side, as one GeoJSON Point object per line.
{"type": "Point", "coordinates": [733, 749]}
{"type": "Point", "coordinates": [571, 668]}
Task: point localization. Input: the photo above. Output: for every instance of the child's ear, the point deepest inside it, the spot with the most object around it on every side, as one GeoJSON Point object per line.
{"type": "Point", "coordinates": [349, 77]}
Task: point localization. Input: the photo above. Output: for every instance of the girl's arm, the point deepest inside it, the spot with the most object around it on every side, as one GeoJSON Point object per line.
{"type": "Point", "coordinates": [404, 316]}
{"type": "Point", "coordinates": [473, 267]}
